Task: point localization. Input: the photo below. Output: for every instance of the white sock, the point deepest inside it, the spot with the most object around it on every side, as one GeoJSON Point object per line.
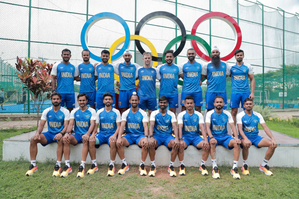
{"type": "Point", "coordinates": [264, 163]}
{"type": "Point", "coordinates": [82, 164]}
{"type": "Point", "coordinates": [33, 162]}
{"type": "Point", "coordinates": [182, 162]}
{"type": "Point", "coordinates": [67, 163]}
{"type": "Point", "coordinates": [94, 162]}
{"type": "Point", "coordinates": [171, 164]}
{"type": "Point", "coordinates": [235, 164]}
{"type": "Point", "coordinates": [112, 162]}
{"type": "Point", "coordinates": [58, 163]}
{"type": "Point", "coordinates": [214, 163]}
{"type": "Point", "coordinates": [141, 163]}
{"type": "Point", "coordinates": [153, 163]}
{"type": "Point", "coordinates": [245, 162]}
{"type": "Point", "coordinates": [202, 163]}
{"type": "Point", "coordinates": [124, 161]}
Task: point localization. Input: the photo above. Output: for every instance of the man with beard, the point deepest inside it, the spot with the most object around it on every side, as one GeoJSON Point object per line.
{"type": "Point", "coordinates": [64, 73]}
{"type": "Point", "coordinates": [248, 128]}
{"type": "Point", "coordinates": [108, 120]}
{"type": "Point", "coordinates": [215, 72]}
{"type": "Point", "coordinates": [216, 124]}
{"type": "Point", "coordinates": [240, 86]}
{"type": "Point", "coordinates": [133, 130]}
{"type": "Point", "coordinates": [58, 119]}
{"type": "Point", "coordinates": [104, 73]}
{"type": "Point", "coordinates": [83, 120]}
{"type": "Point", "coordinates": [87, 77]}
{"type": "Point", "coordinates": [191, 73]}
{"type": "Point", "coordinates": [190, 122]}
{"type": "Point", "coordinates": [162, 122]}
{"type": "Point", "coordinates": [169, 76]}
{"type": "Point", "coordinates": [147, 81]}
{"type": "Point", "coordinates": [127, 72]}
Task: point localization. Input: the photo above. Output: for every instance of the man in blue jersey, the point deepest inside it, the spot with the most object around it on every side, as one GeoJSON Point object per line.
{"type": "Point", "coordinates": [240, 86]}
{"type": "Point", "coordinates": [248, 128]}
{"type": "Point", "coordinates": [216, 124]}
{"type": "Point", "coordinates": [83, 121]}
{"type": "Point", "coordinates": [168, 74]}
{"type": "Point", "coordinates": [87, 77]}
{"type": "Point", "coordinates": [64, 73]}
{"type": "Point", "coordinates": [133, 130]}
{"type": "Point", "coordinates": [57, 118]}
{"type": "Point", "coordinates": [162, 122]}
{"type": "Point", "coordinates": [191, 73]}
{"type": "Point", "coordinates": [147, 84]}
{"type": "Point", "coordinates": [127, 72]}
{"type": "Point", "coordinates": [108, 120]}
{"type": "Point", "coordinates": [215, 72]}
{"type": "Point", "coordinates": [104, 73]}
{"type": "Point", "coordinates": [190, 121]}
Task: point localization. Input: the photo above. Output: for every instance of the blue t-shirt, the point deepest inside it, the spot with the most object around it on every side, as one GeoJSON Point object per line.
{"type": "Point", "coordinates": [105, 75]}
{"type": "Point", "coordinates": [192, 76]}
{"type": "Point", "coordinates": [134, 121]}
{"type": "Point", "coordinates": [108, 120]}
{"type": "Point", "coordinates": [127, 75]}
{"type": "Point", "coordinates": [239, 75]}
{"type": "Point", "coordinates": [250, 123]}
{"type": "Point", "coordinates": [55, 119]}
{"type": "Point", "coordinates": [163, 124]}
{"type": "Point", "coordinates": [190, 122]}
{"type": "Point", "coordinates": [82, 119]}
{"type": "Point", "coordinates": [86, 72]}
{"type": "Point", "coordinates": [219, 122]}
{"type": "Point", "coordinates": [216, 76]}
{"type": "Point", "coordinates": [65, 77]}
{"type": "Point", "coordinates": [169, 76]}
{"type": "Point", "coordinates": [147, 81]}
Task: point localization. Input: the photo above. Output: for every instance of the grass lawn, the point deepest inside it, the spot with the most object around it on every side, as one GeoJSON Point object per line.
{"type": "Point", "coordinates": [283, 127]}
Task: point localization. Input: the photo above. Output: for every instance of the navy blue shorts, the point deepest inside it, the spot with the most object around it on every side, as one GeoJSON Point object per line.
{"type": "Point", "coordinates": [102, 138]}
{"type": "Point", "coordinates": [148, 103]}
{"type": "Point", "coordinates": [49, 136]}
{"type": "Point", "coordinates": [124, 98]}
{"type": "Point", "coordinates": [236, 98]}
{"type": "Point", "coordinates": [173, 100]}
{"type": "Point", "coordinates": [224, 140]}
{"type": "Point", "coordinates": [197, 98]}
{"type": "Point", "coordinates": [210, 97]}
{"type": "Point", "coordinates": [163, 139]}
{"type": "Point", "coordinates": [193, 140]}
{"type": "Point", "coordinates": [91, 98]}
{"type": "Point", "coordinates": [78, 137]}
{"type": "Point", "coordinates": [255, 140]}
{"type": "Point", "coordinates": [133, 139]}
{"type": "Point", "coordinates": [68, 99]}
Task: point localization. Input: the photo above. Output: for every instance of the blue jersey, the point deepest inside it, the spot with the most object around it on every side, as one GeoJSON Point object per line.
{"type": "Point", "coordinates": [147, 81]}
{"type": "Point", "coordinates": [82, 119]}
{"type": "Point", "coordinates": [105, 75]}
{"type": "Point", "coordinates": [239, 75]}
{"type": "Point", "coordinates": [169, 76]}
{"type": "Point", "coordinates": [163, 124]}
{"type": "Point", "coordinates": [65, 77]}
{"type": "Point", "coordinates": [190, 122]}
{"type": "Point", "coordinates": [250, 123]}
{"type": "Point", "coordinates": [192, 75]}
{"type": "Point", "coordinates": [55, 119]}
{"type": "Point", "coordinates": [87, 72]}
{"type": "Point", "coordinates": [127, 75]}
{"type": "Point", "coordinates": [218, 122]}
{"type": "Point", "coordinates": [134, 121]}
{"type": "Point", "coordinates": [216, 77]}
{"type": "Point", "coordinates": [108, 120]}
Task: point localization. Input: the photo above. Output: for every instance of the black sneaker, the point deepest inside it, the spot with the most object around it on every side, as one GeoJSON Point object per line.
{"type": "Point", "coordinates": [152, 172]}
{"type": "Point", "coordinates": [171, 171]}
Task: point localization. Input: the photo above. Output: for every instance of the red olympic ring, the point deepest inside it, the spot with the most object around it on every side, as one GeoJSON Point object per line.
{"type": "Point", "coordinates": [226, 18]}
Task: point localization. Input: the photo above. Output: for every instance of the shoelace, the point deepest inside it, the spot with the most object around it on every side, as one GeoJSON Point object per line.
{"type": "Point", "coordinates": [65, 168]}
{"type": "Point", "coordinates": [182, 166]}
{"type": "Point", "coordinates": [153, 168]}
{"type": "Point", "coordinates": [142, 166]}
{"type": "Point", "coordinates": [245, 166]}
{"type": "Point", "coordinates": [31, 166]}
{"type": "Point", "coordinates": [171, 168]}
{"type": "Point", "coordinates": [203, 167]}
{"type": "Point", "coordinates": [216, 169]}
{"type": "Point", "coordinates": [81, 169]}
{"type": "Point", "coordinates": [236, 170]}
{"type": "Point", "coordinates": [267, 167]}
{"type": "Point", "coordinates": [56, 168]}
{"type": "Point", "coordinates": [93, 166]}
{"type": "Point", "coordinates": [123, 166]}
{"type": "Point", "coordinates": [110, 167]}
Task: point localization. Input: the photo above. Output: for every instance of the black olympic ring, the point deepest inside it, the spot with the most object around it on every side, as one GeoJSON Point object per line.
{"type": "Point", "coordinates": [169, 16]}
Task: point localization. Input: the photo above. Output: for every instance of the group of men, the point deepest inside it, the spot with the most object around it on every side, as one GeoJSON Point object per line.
{"type": "Point", "coordinates": [131, 125]}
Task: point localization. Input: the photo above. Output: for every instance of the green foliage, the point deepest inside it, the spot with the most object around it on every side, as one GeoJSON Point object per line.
{"type": "Point", "coordinates": [265, 112]}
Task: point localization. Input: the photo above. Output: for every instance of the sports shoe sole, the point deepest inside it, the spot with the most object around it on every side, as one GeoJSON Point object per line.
{"type": "Point", "coordinates": [124, 172]}
{"type": "Point", "coordinates": [67, 174]}
{"type": "Point", "coordinates": [142, 174]}
{"type": "Point", "coordinates": [31, 173]}
{"type": "Point", "coordinates": [204, 174]}
{"type": "Point", "coordinates": [265, 172]}
{"type": "Point", "coordinates": [234, 176]}
{"type": "Point", "coordinates": [92, 172]}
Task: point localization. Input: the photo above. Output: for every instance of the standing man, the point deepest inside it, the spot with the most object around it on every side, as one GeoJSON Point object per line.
{"type": "Point", "coordinates": [105, 75]}
{"type": "Point", "coordinates": [190, 121]}
{"type": "Point", "coordinates": [83, 120]}
{"type": "Point", "coordinates": [169, 76]}
{"type": "Point", "coordinates": [240, 86]}
{"type": "Point", "coordinates": [216, 124]}
{"type": "Point", "coordinates": [64, 73]}
{"type": "Point", "coordinates": [191, 73]}
{"type": "Point", "coordinates": [162, 122]}
{"type": "Point", "coordinates": [87, 77]}
{"type": "Point", "coordinates": [127, 72]}
{"type": "Point", "coordinates": [108, 120]}
{"type": "Point", "coordinates": [2, 98]}
{"type": "Point", "coordinates": [248, 128]}
{"type": "Point", "coordinates": [147, 81]}
{"type": "Point", "coordinates": [215, 72]}
{"type": "Point", "coordinates": [58, 119]}
{"type": "Point", "coordinates": [134, 124]}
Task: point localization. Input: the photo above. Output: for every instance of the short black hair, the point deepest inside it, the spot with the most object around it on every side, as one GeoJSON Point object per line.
{"type": "Point", "coordinates": [239, 51]}
{"type": "Point", "coordinates": [163, 98]}
{"type": "Point", "coordinates": [189, 98]}
{"type": "Point", "coordinates": [168, 51]}
{"type": "Point", "coordinates": [105, 52]}
{"type": "Point", "coordinates": [85, 50]}
{"type": "Point", "coordinates": [107, 95]}
{"type": "Point", "coordinates": [190, 49]}
{"type": "Point", "coordinates": [248, 99]}
{"type": "Point", "coordinates": [83, 95]}
{"type": "Point", "coordinates": [134, 94]}
{"type": "Point", "coordinates": [53, 94]}
{"type": "Point", "coordinates": [66, 50]}
{"type": "Point", "coordinates": [218, 96]}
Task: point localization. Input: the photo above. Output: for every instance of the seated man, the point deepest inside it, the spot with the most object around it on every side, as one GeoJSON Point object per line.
{"type": "Point", "coordinates": [83, 118]}
{"type": "Point", "coordinates": [135, 125]}
{"type": "Point", "coordinates": [108, 120]}
{"type": "Point", "coordinates": [161, 124]}
{"type": "Point", "coordinates": [216, 124]}
{"type": "Point", "coordinates": [248, 128]}
{"type": "Point", "coordinates": [58, 119]}
{"type": "Point", "coordinates": [189, 123]}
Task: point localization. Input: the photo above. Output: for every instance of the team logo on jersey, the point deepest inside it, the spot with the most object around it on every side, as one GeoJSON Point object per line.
{"type": "Point", "coordinates": [138, 118]}
{"type": "Point", "coordinates": [245, 121]}
{"type": "Point", "coordinates": [197, 67]}
{"type": "Point", "coordinates": [81, 68]}
{"type": "Point", "coordinates": [122, 67]}
{"type": "Point", "coordinates": [50, 115]}
{"type": "Point", "coordinates": [87, 116]}
{"type": "Point", "coordinates": [61, 67]}
{"type": "Point", "coordinates": [77, 115]}
{"type": "Point", "coordinates": [185, 120]}
{"type": "Point", "coordinates": [142, 71]}
{"type": "Point", "coordinates": [214, 119]}
{"type": "Point", "coordinates": [194, 120]}
{"type": "Point", "coordinates": [129, 117]}
{"type": "Point", "coordinates": [157, 119]}
{"type": "Point", "coordinates": [102, 117]}
{"type": "Point", "coordinates": [234, 70]}
{"type": "Point", "coordinates": [186, 67]}
{"type": "Point", "coordinates": [244, 71]}
{"type": "Point", "coordinates": [60, 117]}
{"type": "Point", "coordinates": [223, 119]}
{"type": "Point", "coordinates": [164, 69]}
{"type": "Point", "coordinates": [152, 71]}
{"type": "Point", "coordinates": [166, 121]}
{"type": "Point", "coordinates": [174, 69]}
{"type": "Point", "coordinates": [90, 68]}
{"type": "Point", "coordinates": [255, 121]}
{"type": "Point", "coordinates": [112, 117]}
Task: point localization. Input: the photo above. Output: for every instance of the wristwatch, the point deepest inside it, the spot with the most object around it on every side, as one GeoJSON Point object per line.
{"type": "Point", "coordinates": [180, 138]}
{"type": "Point", "coordinates": [62, 133]}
